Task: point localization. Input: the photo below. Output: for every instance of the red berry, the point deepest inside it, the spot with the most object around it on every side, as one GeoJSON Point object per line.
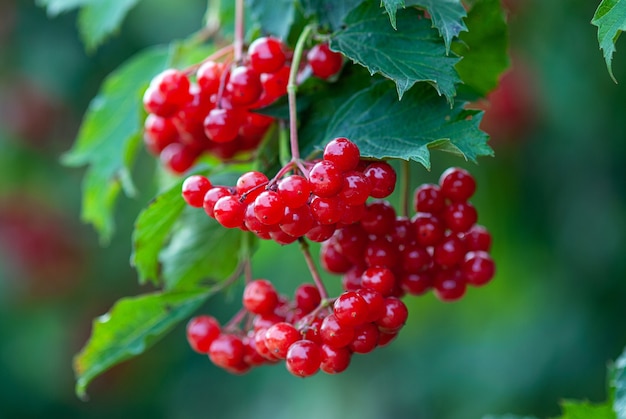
{"type": "Point", "coordinates": [334, 333]}
{"type": "Point", "coordinates": [381, 252]}
{"type": "Point", "coordinates": [222, 125]}
{"type": "Point", "coordinates": [324, 62]}
{"type": "Point", "coordinates": [260, 297]}
{"type": "Point", "coordinates": [201, 332]}
{"type": "Point", "coordinates": [428, 229]}
{"type": "Point", "coordinates": [168, 91]}
{"type": "Point", "coordinates": [279, 337]}
{"type": "Point", "coordinates": [326, 179]}
{"type": "Point", "coordinates": [268, 207]}
{"type": "Point", "coordinates": [428, 198]}
{"type": "Point", "coordinates": [457, 184]}
{"type": "Point", "coordinates": [274, 85]}
{"type": "Point", "coordinates": [415, 258]}
{"type": "Point", "coordinates": [307, 297]}
{"type": "Point", "coordinates": [350, 309]}
{"type": "Point", "coordinates": [460, 216]}
{"type": "Point", "coordinates": [477, 238]}
{"type": "Point", "coordinates": [297, 221]}
{"type": "Point", "coordinates": [416, 283]}
{"type": "Point", "coordinates": [320, 232]}
{"type": "Point", "coordinates": [326, 210]}
{"type": "Point", "coordinates": [449, 252]}
{"type": "Point", "coordinates": [227, 351]}
{"type": "Point", "coordinates": [259, 344]}
{"type": "Point", "coordinates": [250, 185]}
{"type": "Point", "coordinates": [229, 211]}
{"type": "Point", "coordinates": [351, 241]}
{"type": "Point", "coordinates": [266, 55]}
{"type": "Point", "coordinates": [244, 86]}
{"type": "Point", "coordinates": [351, 280]}
{"type": "Point", "coordinates": [211, 197]}
{"type": "Point", "coordinates": [178, 157]}
{"type": "Point", "coordinates": [194, 189]}
{"type": "Point", "coordinates": [355, 189]}
{"type": "Point", "coordinates": [159, 132]}
{"type": "Point", "coordinates": [332, 260]}
{"type": "Point", "coordinates": [395, 315]}
{"type": "Point", "coordinates": [382, 178]}
{"type": "Point", "coordinates": [365, 338]}
{"type": "Point", "coordinates": [478, 268]}
{"type": "Point", "coordinates": [303, 358]}
{"type": "Point", "coordinates": [379, 218]}
{"type": "Point", "coordinates": [334, 360]}
{"type": "Point", "coordinates": [449, 285]}
{"type": "Point", "coordinates": [294, 190]}
{"type": "Point", "coordinates": [375, 303]}
{"type": "Point", "coordinates": [209, 77]}
{"type": "Point", "coordinates": [343, 153]}
{"type": "Point", "coordinates": [381, 280]}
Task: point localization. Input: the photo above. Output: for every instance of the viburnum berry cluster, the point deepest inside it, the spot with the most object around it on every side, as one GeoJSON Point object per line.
{"type": "Point", "coordinates": [212, 107]}
{"type": "Point", "coordinates": [382, 257]}
{"type": "Point", "coordinates": [332, 193]}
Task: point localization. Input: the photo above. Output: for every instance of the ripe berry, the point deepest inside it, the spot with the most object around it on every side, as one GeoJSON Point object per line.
{"type": "Point", "coordinates": [343, 153]}
{"type": "Point", "coordinates": [168, 91]}
{"type": "Point", "coordinates": [201, 332]}
{"type": "Point", "coordinates": [332, 260]}
{"type": "Point", "coordinates": [334, 333]}
{"type": "Point", "coordinates": [274, 85]}
{"type": "Point", "coordinates": [428, 198]}
{"type": "Point", "coordinates": [449, 285]}
{"type": "Point", "coordinates": [320, 232]}
{"type": "Point", "coordinates": [381, 252]}
{"type": "Point", "coordinates": [460, 216]}
{"type": "Point", "coordinates": [294, 190]}
{"type": "Point", "coordinates": [222, 125]}
{"type": "Point", "coordinates": [211, 197]}
{"type": "Point", "coordinates": [478, 268]}
{"type": "Point", "coordinates": [350, 309]}
{"type": "Point", "coordinates": [303, 358]}
{"type": "Point", "coordinates": [178, 157]}
{"type": "Point", "coordinates": [297, 221]}
{"type": "Point", "coordinates": [415, 258]}
{"type": "Point", "coordinates": [324, 62]}
{"type": "Point", "coordinates": [379, 218]}
{"type": "Point", "coordinates": [325, 178]}
{"type": "Point", "coordinates": [250, 185]}
{"type": "Point", "coordinates": [229, 211]}
{"type": "Point", "coordinates": [428, 230]}
{"type": "Point", "coordinates": [382, 178]}
{"type": "Point", "coordinates": [209, 76]}
{"type": "Point", "coordinates": [326, 210]}
{"type": "Point", "coordinates": [334, 360]}
{"type": "Point", "coordinates": [355, 189]}
{"type": "Point", "coordinates": [449, 252]}
{"type": "Point", "coordinates": [416, 283]}
{"type": "Point", "coordinates": [457, 184]}
{"type": "Point", "coordinates": [159, 132]}
{"type": "Point", "coordinates": [365, 338]}
{"type": "Point", "coordinates": [244, 86]}
{"type": "Point", "coordinates": [194, 189]}
{"type": "Point", "coordinates": [260, 297]}
{"type": "Point", "coordinates": [477, 238]}
{"type": "Point", "coordinates": [266, 55]}
{"type": "Point", "coordinates": [381, 280]}
{"type": "Point", "coordinates": [395, 315]}
{"type": "Point", "coordinates": [279, 337]}
{"type": "Point", "coordinates": [375, 303]}
{"type": "Point", "coordinates": [307, 297]}
{"type": "Point", "coordinates": [268, 207]}
{"type": "Point", "coordinates": [227, 351]}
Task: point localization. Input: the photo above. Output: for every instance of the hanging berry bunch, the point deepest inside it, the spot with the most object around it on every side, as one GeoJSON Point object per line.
{"type": "Point", "coordinates": [308, 133]}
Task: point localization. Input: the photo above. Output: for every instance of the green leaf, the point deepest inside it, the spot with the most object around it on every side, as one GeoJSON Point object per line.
{"type": "Point", "coordinates": [610, 18]}
{"type": "Point", "coordinates": [391, 6]}
{"type": "Point", "coordinates": [585, 410]}
{"type": "Point", "coordinates": [329, 13]}
{"type": "Point", "coordinates": [109, 138]}
{"type": "Point", "coordinates": [447, 16]}
{"type": "Point", "coordinates": [275, 19]}
{"type": "Point", "coordinates": [483, 48]}
{"type": "Point", "coordinates": [152, 228]}
{"type": "Point", "coordinates": [383, 127]}
{"type": "Point", "coordinates": [411, 54]}
{"type": "Point", "coordinates": [508, 417]}
{"type": "Point", "coordinates": [97, 19]}
{"type": "Point", "coordinates": [618, 385]}
{"type": "Point", "coordinates": [200, 249]}
{"type": "Point", "coordinates": [132, 326]}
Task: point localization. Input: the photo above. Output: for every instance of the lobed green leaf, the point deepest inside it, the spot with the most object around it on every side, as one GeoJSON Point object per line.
{"type": "Point", "coordinates": [132, 326]}
{"type": "Point", "coordinates": [409, 55]}
{"type": "Point", "coordinates": [446, 15]}
{"type": "Point", "coordinates": [391, 6]}
{"type": "Point", "coordinates": [329, 13]}
{"type": "Point", "coordinates": [276, 19]}
{"type": "Point", "coordinates": [610, 18]}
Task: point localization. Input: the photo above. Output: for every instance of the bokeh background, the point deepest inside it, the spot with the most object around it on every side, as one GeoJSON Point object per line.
{"type": "Point", "coordinates": [554, 198]}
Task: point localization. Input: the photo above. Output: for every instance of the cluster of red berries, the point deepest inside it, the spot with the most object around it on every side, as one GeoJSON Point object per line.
{"type": "Point", "coordinates": [309, 333]}
{"type": "Point", "coordinates": [333, 194]}
{"type": "Point", "coordinates": [441, 247]}
{"type": "Point", "coordinates": [211, 109]}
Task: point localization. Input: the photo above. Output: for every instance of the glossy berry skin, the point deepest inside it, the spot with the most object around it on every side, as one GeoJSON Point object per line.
{"type": "Point", "coordinates": [244, 86]}
{"type": "Point", "coordinates": [334, 360]}
{"type": "Point", "coordinates": [167, 92]}
{"type": "Point", "coordinates": [415, 258]}
{"type": "Point", "coordinates": [260, 297]}
{"type": "Point", "coordinates": [365, 338]}
{"type": "Point", "coordinates": [194, 189]}
{"type": "Point", "coordinates": [350, 309]}
{"type": "Point", "coordinates": [268, 207]}
{"type": "Point", "coordinates": [449, 285]}
{"type": "Point", "coordinates": [159, 132]}
{"type": "Point", "coordinates": [227, 351]}
{"type": "Point", "coordinates": [332, 260]}
{"type": "Point", "coordinates": [334, 333]}
{"type": "Point", "coordinates": [211, 197]}
{"type": "Point", "coordinates": [320, 232]}
{"type": "Point", "coordinates": [326, 179]}
{"type": "Point", "coordinates": [428, 198]}
{"type": "Point", "coordinates": [274, 85]}
{"type": "Point", "coordinates": [294, 190]}
{"type": "Point", "coordinates": [416, 283]}
{"type": "Point", "coordinates": [477, 238]}
{"type": "Point", "coordinates": [429, 231]}
{"type": "Point", "coordinates": [326, 210]}
{"type": "Point", "coordinates": [222, 125]}
{"type": "Point", "coordinates": [279, 337]}
{"type": "Point", "coordinates": [229, 211]}
{"type": "Point", "coordinates": [457, 184]}
{"type": "Point", "coordinates": [460, 216]}
{"type": "Point", "coordinates": [297, 221]}
{"type": "Point", "coordinates": [395, 315]}
{"type": "Point", "coordinates": [307, 297]}
{"type": "Point", "coordinates": [324, 62]}
{"type": "Point", "coordinates": [201, 332]}
{"type": "Point", "coordinates": [266, 55]}
{"type": "Point", "coordinates": [379, 218]}
{"type": "Point", "coordinates": [209, 77]}
{"type": "Point", "coordinates": [303, 358]}
{"type": "Point", "coordinates": [478, 268]}
{"type": "Point", "coordinates": [356, 188]}
{"type": "Point", "coordinates": [381, 280]}
{"type": "Point", "coordinates": [381, 252]}
{"type": "Point", "coordinates": [250, 185]}
{"type": "Point", "coordinates": [382, 178]}
{"type": "Point", "coordinates": [178, 158]}
{"type": "Point", "coordinates": [449, 252]}
{"type": "Point", "coordinates": [343, 153]}
{"type": "Point", "coordinates": [375, 303]}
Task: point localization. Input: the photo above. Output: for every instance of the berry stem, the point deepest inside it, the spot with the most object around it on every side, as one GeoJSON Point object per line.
{"type": "Point", "coordinates": [292, 87]}
{"type": "Point", "coordinates": [232, 324]}
{"type": "Point", "coordinates": [304, 246]}
{"type": "Point", "coordinates": [405, 174]}
{"type": "Point", "coordinates": [211, 21]}
{"type": "Point", "coordinates": [239, 24]}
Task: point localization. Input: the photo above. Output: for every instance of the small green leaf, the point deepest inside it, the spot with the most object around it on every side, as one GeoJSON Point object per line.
{"type": "Point", "coordinates": [275, 19]}
{"type": "Point", "coordinates": [132, 326]}
{"type": "Point", "coordinates": [329, 13]}
{"type": "Point", "coordinates": [152, 228]}
{"type": "Point", "coordinates": [483, 48]}
{"type": "Point", "coordinates": [383, 127]}
{"type": "Point", "coordinates": [391, 6]}
{"type": "Point", "coordinates": [411, 54]}
{"type": "Point", "coordinates": [200, 250]}
{"type": "Point", "coordinates": [447, 16]}
{"type": "Point", "coordinates": [610, 18]}
{"type": "Point", "coordinates": [618, 384]}
{"type": "Point", "coordinates": [108, 138]}
{"type": "Point", "coordinates": [585, 410]}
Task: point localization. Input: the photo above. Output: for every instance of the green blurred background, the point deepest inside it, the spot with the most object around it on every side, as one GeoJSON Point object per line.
{"type": "Point", "coordinates": [554, 198]}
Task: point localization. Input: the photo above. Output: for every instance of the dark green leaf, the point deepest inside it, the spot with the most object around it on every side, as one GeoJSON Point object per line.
{"type": "Point", "coordinates": [131, 327]}
{"type": "Point", "coordinates": [411, 54]}
{"type": "Point", "coordinates": [447, 16]}
{"type": "Point", "coordinates": [275, 19]}
{"type": "Point", "coordinates": [610, 18]}
{"type": "Point", "coordinates": [329, 13]}
{"type": "Point", "coordinates": [109, 136]}
{"type": "Point", "coordinates": [586, 410]}
{"type": "Point", "coordinates": [618, 385]}
{"type": "Point", "coordinates": [200, 250]}
{"type": "Point", "coordinates": [152, 228]}
{"type": "Point", "coordinates": [391, 6]}
{"type": "Point", "coordinates": [483, 47]}
{"type": "Point", "coordinates": [382, 126]}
